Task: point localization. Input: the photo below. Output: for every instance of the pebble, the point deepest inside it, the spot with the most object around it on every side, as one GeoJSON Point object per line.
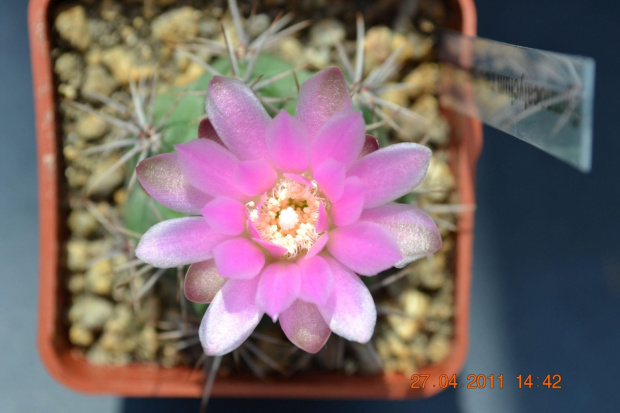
{"type": "Point", "coordinates": [177, 26]}
{"type": "Point", "coordinates": [291, 50]}
{"type": "Point", "coordinates": [124, 66]}
{"type": "Point", "coordinates": [99, 278]}
{"type": "Point", "coordinates": [415, 305]}
{"type": "Point", "coordinates": [77, 255]}
{"type": "Point", "coordinates": [318, 57]}
{"type": "Point", "coordinates": [327, 32]}
{"type": "Point", "coordinates": [122, 319]}
{"type": "Point", "coordinates": [440, 311]}
{"type": "Point", "coordinates": [258, 24]}
{"type": "Point", "coordinates": [104, 182]}
{"type": "Point", "coordinates": [76, 283]}
{"type": "Point", "coordinates": [377, 46]}
{"type": "Point", "coordinates": [417, 47]}
{"type": "Point", "coordinates": [69, 69]}
{"type": "Point", "coordinates": [399, 97]}
{"type": "Point", "coordinates": [90, 312]}
{"type": "Point", "coordinates": [82, 223]}
{"type": "Point", "coordinates": [418, 349]}
{"type": "Point", "coordinates": [80, 336]}
{"type": "Point", "coordinates": [98, 80]}
{"type": "Point", "coordinates": [209, 27]}
{"type": "Point", "coordinates": [90, 126]}
{"type": "Point", "coordinates": [423, 79]}
{"type": "Point", "coordinates": [438, 348]}
{"type": "Point", "coordinates": [170, 356]}
{"type": "Point", "coordinates": [110, 10]}
{"type": "Point", "coordinates": [72, 26]}
{"type": "Point", "coordinates": [438, 176]}
{"type": "Point", "coordinates": [148, 344]}
{"type": "Point", "coordinates": [193, 72]}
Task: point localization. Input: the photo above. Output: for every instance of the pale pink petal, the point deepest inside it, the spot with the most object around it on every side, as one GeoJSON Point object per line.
{"type": "Point", "coordinates": [371, 144]}
{"type": "Point", "coordinates": [322, 223]}
{"type": "Point", "coordinates": [415, 232]}
{"type": "Point", "coordinates": [287, 141]}
{"type": "Point", "coordinates": [202, 282]}
{"type": "Point", "coordinates": [350, 310]}
{"type": "Point", "coordinates": [298, 178]}
{"type": "Point", "coordinates": [365, 247]}
{"type": "Point", "coordinates": [318, 245]}
{"type": "Point", "coordinates": [225, 215]}
{"type": "Point", "coordinates": [252, 230]}
{"type": "Point", "coordinates": [273, 249]}
{"type": "Point", "coordinates": [230, 318]}
{"type": "Point", "coordinates": [208, 167]}
{"type": "Point", "coordinates": [341, 138]}
{"type": "Point", "coordinates": [178, 241]}
{"type": "Point", "coordinates": [162, 178]}
{"type": "Point", "coordinates": [207, 131]}
{"type": "Point", "coordinates": [316, 280]}
{"type": "Point", "coordinates": [278, 288]}
{"type": "Point", "coordinates": [238, 117]}
{"type": "Point", "coordinates": [391, 172]}
{"type": "Point", "coordinates": [320, 97]}
{"type": "Point", "coordinates": [330, 176]}
{"type": "Point", "coordinates": [304, 326]}
{"type": "Point", "coordinates": [255, 177]}
{"type": "Point", "coordinates": [238, 258]}
{"type": "Point", "coordinates": [348, 208]}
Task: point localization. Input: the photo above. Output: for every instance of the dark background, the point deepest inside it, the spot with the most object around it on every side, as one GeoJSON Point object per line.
{"type": "Point", "coordinates": [546, 288]}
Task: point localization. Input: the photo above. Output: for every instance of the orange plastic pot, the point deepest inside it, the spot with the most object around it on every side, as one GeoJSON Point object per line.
{"type": "Point", "coordinates": [147, 380]}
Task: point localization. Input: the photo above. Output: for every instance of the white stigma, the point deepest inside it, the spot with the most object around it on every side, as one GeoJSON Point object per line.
{"type": "Point", "coordinates": [288, 218]}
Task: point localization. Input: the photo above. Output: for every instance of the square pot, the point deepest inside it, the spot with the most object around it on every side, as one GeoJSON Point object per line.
{"type": "Point", "coordinates": [147, 380]}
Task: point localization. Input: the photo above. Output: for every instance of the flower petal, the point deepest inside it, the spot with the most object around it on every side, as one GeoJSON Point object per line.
{"type": "Point", "coordinates": [330, 176]}
{"type": "Point", "coordinates": [415, 232]}
{"type": "Point", "coordinates": [341, 138]}
{"type": "Point", "coordinates": [304, 326]}
{"type": "Point", "coordinates": [162, 178]}
{"type": "Point", "coordinates": [348, 208]}
{"type": "Point", "coordinates": [207, 131]}
{"type": "Point", "coordinates": [230, 318]}
{"type": "Point", "coordinates": [225, 215]}
{"type": "Point", "coordinates": [365, 247]}
{"type": "Point", "coordinates": [202, 282]}
{"type": "Point", "coordinates": [238, 117]}
{"type": "Point", "coordinates": [318, 245]}
{"type": "Point", "coordinates": [391, 172]}
{"type": "Point", "coordinates": [273, 249]}
{"type": "Point", "coordinates": [287, 141]}
{"type": "Point", "coordinates": [255, 177]}
{"type": "Point", "coordinates": [207, 166]}
{"type": "Point", "coordinates": [278, 288]}
{"type": "Point", "coordinates": [350, 310]}
{"type": "Point", "coordinates": [238, 258]}
{"type": "Point", "coordinates": [316, 280]}
{"type": "Point", "coordinates": [178, 241]}
{"type": "Point", "coordinates": [300, 179]}
{"type": "Point", "coordinates": [371, 144]}
{"type": "Point", "coordinates": [320, 97]}
{"type": "Point", "coordinates": [322, 223]}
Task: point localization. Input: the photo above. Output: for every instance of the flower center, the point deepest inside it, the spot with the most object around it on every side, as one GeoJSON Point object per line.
{"type": "Point", "coordinates": [287, 216]}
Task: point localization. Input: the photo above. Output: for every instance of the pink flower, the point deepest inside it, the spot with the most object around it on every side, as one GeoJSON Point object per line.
{"type": "Point", "coordinates": [287, 212]}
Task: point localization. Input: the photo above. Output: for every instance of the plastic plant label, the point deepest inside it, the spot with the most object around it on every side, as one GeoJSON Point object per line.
{"type": "Point", "coordinates": [543, 98]}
